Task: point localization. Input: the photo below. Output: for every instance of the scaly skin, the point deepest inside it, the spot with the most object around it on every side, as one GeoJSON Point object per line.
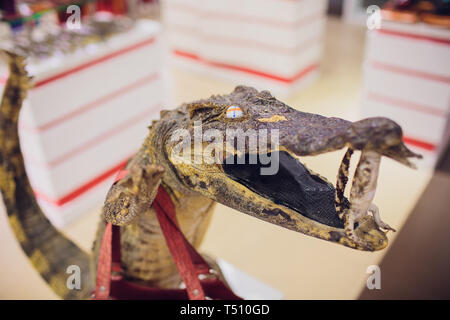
{"type": "Point", "coordinates": [48, 250]}
{"type": "Point", "coordinates": [196, 187]}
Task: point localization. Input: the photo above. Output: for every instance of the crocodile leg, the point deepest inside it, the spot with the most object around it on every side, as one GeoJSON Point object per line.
{"type": "Point", "coordinates": [341, 182]}
{"type": "Point", "coordinates": [362, 193]}
{"type": "Point", "coordinates": [376, 215]}
{"type": "Point", "coordinates": [133, 194]}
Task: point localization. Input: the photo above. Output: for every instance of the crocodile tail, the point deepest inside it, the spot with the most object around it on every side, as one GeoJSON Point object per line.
{"type": "Point", "coordinates": [50, 252]}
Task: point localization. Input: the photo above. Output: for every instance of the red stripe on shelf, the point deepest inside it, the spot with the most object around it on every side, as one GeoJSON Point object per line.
{"type": "Point", "coordinates": [308, 43]}
{"type": "Point", "coordinates": [246, 18]}
{"type": "Point", "coordinates": [84, 188]}
{"type": "Point", "coordinates": [102, 137]}
{"type": "Point", "coordinates": [410, 72]}
{"type": "Point", "coordinates": [94, 104]}
{"type": "Point", "coordinates": [299, 75]}
{"type": "Point", "coordinates": [94, 62]}
{"type": "Point", "coordinates": [419, 143]}
{"type": "Point", "coordinates": [414, 36]}
{"type": "Point", "coordinates": [406, 104]}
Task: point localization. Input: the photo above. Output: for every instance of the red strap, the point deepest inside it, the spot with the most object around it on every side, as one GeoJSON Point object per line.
{"type": "Point", "coordinates": [116, 269]}
{"type": "Point", "coordinates": [189, 263]}
{"type": "Point", "coordinates": [103, 280]}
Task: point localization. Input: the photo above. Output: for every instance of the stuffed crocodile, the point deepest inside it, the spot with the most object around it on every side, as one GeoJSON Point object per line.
{"type": "Point", "coordinates": [292, 196]}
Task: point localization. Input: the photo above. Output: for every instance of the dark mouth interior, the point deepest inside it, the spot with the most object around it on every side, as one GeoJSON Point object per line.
{"type": "Point", "coordinates": [292, 186]}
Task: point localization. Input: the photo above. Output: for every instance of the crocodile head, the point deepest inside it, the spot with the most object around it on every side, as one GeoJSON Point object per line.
{"type": "Point", "coordinates": [243, 150]}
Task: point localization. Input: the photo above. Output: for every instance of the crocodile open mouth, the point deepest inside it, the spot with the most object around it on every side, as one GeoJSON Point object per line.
{"type": "Point", "coordinates": [293, 186]}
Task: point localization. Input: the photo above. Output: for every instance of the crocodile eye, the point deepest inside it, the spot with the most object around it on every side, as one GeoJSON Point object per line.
{"type": "Point", "coordinates": [234, 112]}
